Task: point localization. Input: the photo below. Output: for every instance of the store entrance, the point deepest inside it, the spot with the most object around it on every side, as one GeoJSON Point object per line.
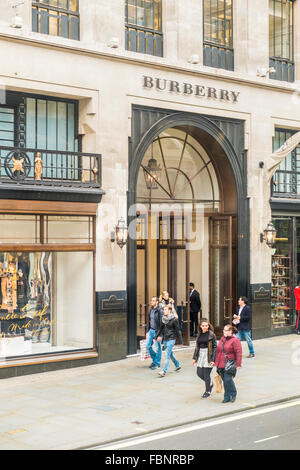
{"type": "Point", "coordinates": [183, 234]}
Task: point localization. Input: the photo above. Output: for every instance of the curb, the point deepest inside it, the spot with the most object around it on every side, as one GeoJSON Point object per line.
{"type": "Point", "coordinates": [166, 428]}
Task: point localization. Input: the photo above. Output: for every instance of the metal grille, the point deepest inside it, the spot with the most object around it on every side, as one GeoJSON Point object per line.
{"type": "Point", "coordinates": [286, 181]}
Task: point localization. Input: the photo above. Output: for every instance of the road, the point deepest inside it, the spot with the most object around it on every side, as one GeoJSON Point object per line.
{"type": "Point", "coordinates": [274, 427]}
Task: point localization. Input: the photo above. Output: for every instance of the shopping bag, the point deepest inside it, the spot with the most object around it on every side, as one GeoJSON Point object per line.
{"type": "Point", "coordinates": [143, 350]}
{"type": "Point", "coordinates": [218, 383]}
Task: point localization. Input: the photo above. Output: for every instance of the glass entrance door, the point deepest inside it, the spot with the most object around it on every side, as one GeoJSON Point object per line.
{"type": "Point", "coordinates": [163, 264]}
{"type": "Point", "coordinates": [221, 302]}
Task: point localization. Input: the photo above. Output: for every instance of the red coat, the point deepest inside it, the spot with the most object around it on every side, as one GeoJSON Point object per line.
{"type": "Point", "coordinates": [297, 297]}
{"type": "Point", "coordinates": [233, 350]}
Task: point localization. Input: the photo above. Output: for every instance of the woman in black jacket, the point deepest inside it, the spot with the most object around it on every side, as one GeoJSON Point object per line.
{"type": "Point", "coordinates": [168, 332]}
{"type": "Point", "coordinates": [205, 354]}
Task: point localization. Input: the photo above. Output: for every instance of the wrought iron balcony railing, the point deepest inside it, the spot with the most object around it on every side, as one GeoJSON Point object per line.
{"type": "Point", "coordinates": [284, 69]}
{"type": "Point", "coordinates": [25, 166]}
{"type": "Point", "coordinates": [218, 56]}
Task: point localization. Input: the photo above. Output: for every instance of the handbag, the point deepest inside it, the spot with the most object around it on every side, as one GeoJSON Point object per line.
{"type": "Point", "coordinates": [230, 364]}
{"type": "Point", "coordinates": [218, 383]}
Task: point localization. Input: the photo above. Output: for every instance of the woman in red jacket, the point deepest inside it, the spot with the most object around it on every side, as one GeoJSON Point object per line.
{"type": "Point", "coordinates": [232, 350]}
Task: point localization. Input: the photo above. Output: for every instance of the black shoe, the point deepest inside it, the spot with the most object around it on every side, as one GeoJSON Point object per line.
{"type": "Point", "coordinates": [151, 365]}
{"type": "Point", "coordinates": [206, 395]}
{"type": "Point", "coordinates": [225, 401]}
{"type": "Point", "coordinates": [251, 355]}
{"type": "Point", "coordinates": [232, 399]}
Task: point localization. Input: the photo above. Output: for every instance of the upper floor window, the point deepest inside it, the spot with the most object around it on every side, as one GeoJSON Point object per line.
{"type": "Point", "coordinates": [56, 17]}
{"type": "Point", "coordinates": [286, 181]}
{"type": "Point", "coordinates": [144, 26]}
{"type": "Point", "coordinates": [217, 40]}
{"type": "Point", "coordinates": [281, 39]}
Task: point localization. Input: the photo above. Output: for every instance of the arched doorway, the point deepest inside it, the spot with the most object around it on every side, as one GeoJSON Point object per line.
{"type": "Point", "coordinates": [183, 233]}
{"type": "Point", "coordinates": [201, 186]}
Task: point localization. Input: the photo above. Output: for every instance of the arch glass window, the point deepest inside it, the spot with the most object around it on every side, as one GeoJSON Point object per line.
{"type": "Point", "coordinates": [218, 37]}
{"type": "Point", "coordinates": [144, 26]}
{"type": "Point", "coordinates": [281, 39]}
{"type": "Point", "coordinates": [185, 173]}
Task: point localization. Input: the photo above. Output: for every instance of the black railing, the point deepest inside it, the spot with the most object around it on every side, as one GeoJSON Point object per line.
{"type": "Point", "coordinates": [218, 56]}
{"type": "Point", "coordinates": [284, 69]}
{"type": "Point", "coordinates": [28, 166]}
{"type": "Point", "coordinates": [144, 40]}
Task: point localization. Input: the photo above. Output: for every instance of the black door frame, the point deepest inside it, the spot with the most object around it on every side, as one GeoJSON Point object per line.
{"type": "Point", "coordinates": [148, 123]}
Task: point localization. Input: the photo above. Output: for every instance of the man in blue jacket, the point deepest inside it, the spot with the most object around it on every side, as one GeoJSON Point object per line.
{"type": "Point", "coordinates": [154, 325]}
{"type": "Point", "coordinates": [242, 320]}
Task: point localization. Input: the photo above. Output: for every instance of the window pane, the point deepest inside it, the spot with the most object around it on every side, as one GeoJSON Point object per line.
{"type": "Point", "coordinates": [41, 124]}
{"type": "Point", "coordinates": [62, 229]}
{"type": "Point", "coordinates": [41, 310]}
{"type": "Point", "coordinates": [19, 228]}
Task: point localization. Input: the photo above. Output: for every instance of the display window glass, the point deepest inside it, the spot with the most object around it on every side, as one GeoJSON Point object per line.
{"type": "Point", "coordinates": [282, 274]}
{"type": "Point", "coordinates": [46, 302]}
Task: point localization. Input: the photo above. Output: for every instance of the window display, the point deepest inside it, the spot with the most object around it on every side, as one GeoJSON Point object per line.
{"type": "Point", "coordinates": [282, 275]}
{"type": "Point", "coordinates": [46, 302]}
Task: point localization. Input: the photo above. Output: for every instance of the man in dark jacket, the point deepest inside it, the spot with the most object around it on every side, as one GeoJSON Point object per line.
{"type": "Point", "coordinates": [195, 306]}
{"type": "Point", "coordinates": [242, 320]}
{"type": "Point", "coordinates": [154, 325]}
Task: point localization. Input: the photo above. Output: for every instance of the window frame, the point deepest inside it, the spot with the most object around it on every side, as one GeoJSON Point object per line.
{"type": "Point", "coordinates": [43, 5]}
{"type": "Point", "coordinates": [221, 55]}
{"type": "Point", "coordinates": [137, 31]}
{"type": "Point", "coordinates": [293, 173]}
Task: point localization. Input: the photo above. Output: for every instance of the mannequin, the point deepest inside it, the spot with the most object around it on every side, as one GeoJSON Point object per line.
{"type": "Point", "coordinates": [297, 298]}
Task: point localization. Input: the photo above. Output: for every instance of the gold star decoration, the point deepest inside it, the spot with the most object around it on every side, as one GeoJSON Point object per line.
{"type": "Point", "coordinates": [18, 165]}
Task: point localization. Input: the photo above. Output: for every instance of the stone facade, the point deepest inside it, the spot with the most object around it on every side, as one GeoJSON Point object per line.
{"type": "Point", "coordinates": [108, 81]}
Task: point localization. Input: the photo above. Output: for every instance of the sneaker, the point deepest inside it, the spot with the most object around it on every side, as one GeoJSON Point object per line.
{"type": "Point", "coordinates": [251, 355]}
{"type": "Point", "coordinates": [177, 368]}
{"type": "Point", "coordinates": [162, 373]}
{"type": "Point", "coordinates": [206, 395]}
{"type": "Point", "coordinates": [153, 367]}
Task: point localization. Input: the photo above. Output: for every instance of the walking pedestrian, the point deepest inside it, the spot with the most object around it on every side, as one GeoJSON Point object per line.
{"type": "Point", "coordinates": [205, 354]}
{"type": "Point", "coordinates": [229, 347]}
{"type": "Point", "coordinates": [154, 325]}
{"type": "Point", "coordinates": [195, 307]}
{"type": "Point", "coordinates": [168, 332]}
{"type": "Point", "coordinates": [242, 320]}
{"type": "Point", "coordinates": [165, 299]}
{"type": "Point", "coordinates": [297, 299]}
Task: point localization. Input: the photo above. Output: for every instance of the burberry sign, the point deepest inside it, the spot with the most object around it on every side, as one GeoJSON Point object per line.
{"type": "Point", "coordinates": [185, 88]}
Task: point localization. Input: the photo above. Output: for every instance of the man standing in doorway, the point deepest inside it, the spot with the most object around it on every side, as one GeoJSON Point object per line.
{"type": "Point", "coordinates": [154, 325]}
{"type": "Point", "coordinates": [195, 307]}
{"type": "Point", "coordinates": [242, 320]}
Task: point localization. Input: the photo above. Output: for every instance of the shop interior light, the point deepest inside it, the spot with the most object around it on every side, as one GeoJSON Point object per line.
{"type": "Point", "coordinates": [152, 172]}
{"type": "Point", "coordinates": [268, 235]}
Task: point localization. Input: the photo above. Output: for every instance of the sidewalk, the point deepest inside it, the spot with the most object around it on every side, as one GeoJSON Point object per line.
{"type": "Point", "coordinates": [86, 406]}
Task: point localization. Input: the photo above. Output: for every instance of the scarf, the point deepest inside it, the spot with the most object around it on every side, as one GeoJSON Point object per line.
{"type": "Point", "coordinates": [167, 319]}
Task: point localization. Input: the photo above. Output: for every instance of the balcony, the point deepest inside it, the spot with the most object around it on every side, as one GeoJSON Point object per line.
{"type": "Point", "coordinates": [50, 175]}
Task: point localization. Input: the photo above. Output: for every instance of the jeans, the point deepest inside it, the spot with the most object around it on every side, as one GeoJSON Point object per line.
{"type": "Point", "coordinates": [169, 355]}
{"type": "Point", "coordinates": [247, 335]}
{"type": "Point", "coordinates": [156, 357]}
{"type": "Point", "coordinates": [229, 386]}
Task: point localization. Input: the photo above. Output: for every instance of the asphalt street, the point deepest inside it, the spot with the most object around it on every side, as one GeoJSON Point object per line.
{"type": "Point", "coordinates": [267, 428]}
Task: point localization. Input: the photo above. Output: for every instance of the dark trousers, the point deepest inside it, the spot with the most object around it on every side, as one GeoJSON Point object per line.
{"type": "Point", "coordinates": [204, 374]}
{"type": "Point", "coordinates": [229, 386]}
{"type": "Point", "coordinates": [194, 323]}
{"type": "Point", "coordinates": [298, 321]}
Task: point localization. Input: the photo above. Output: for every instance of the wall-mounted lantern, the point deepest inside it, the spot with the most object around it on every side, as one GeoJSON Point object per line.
{"type": "Point", "coordinates": [268, 235]}
{"type": "Point", "coordinates": [120, 234]}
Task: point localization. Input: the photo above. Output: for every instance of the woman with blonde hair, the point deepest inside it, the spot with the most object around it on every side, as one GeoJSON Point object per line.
{"type": "Point", "coordinates": [165, 299]}
{"type": "Point", "coordinates": [205, 354]}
